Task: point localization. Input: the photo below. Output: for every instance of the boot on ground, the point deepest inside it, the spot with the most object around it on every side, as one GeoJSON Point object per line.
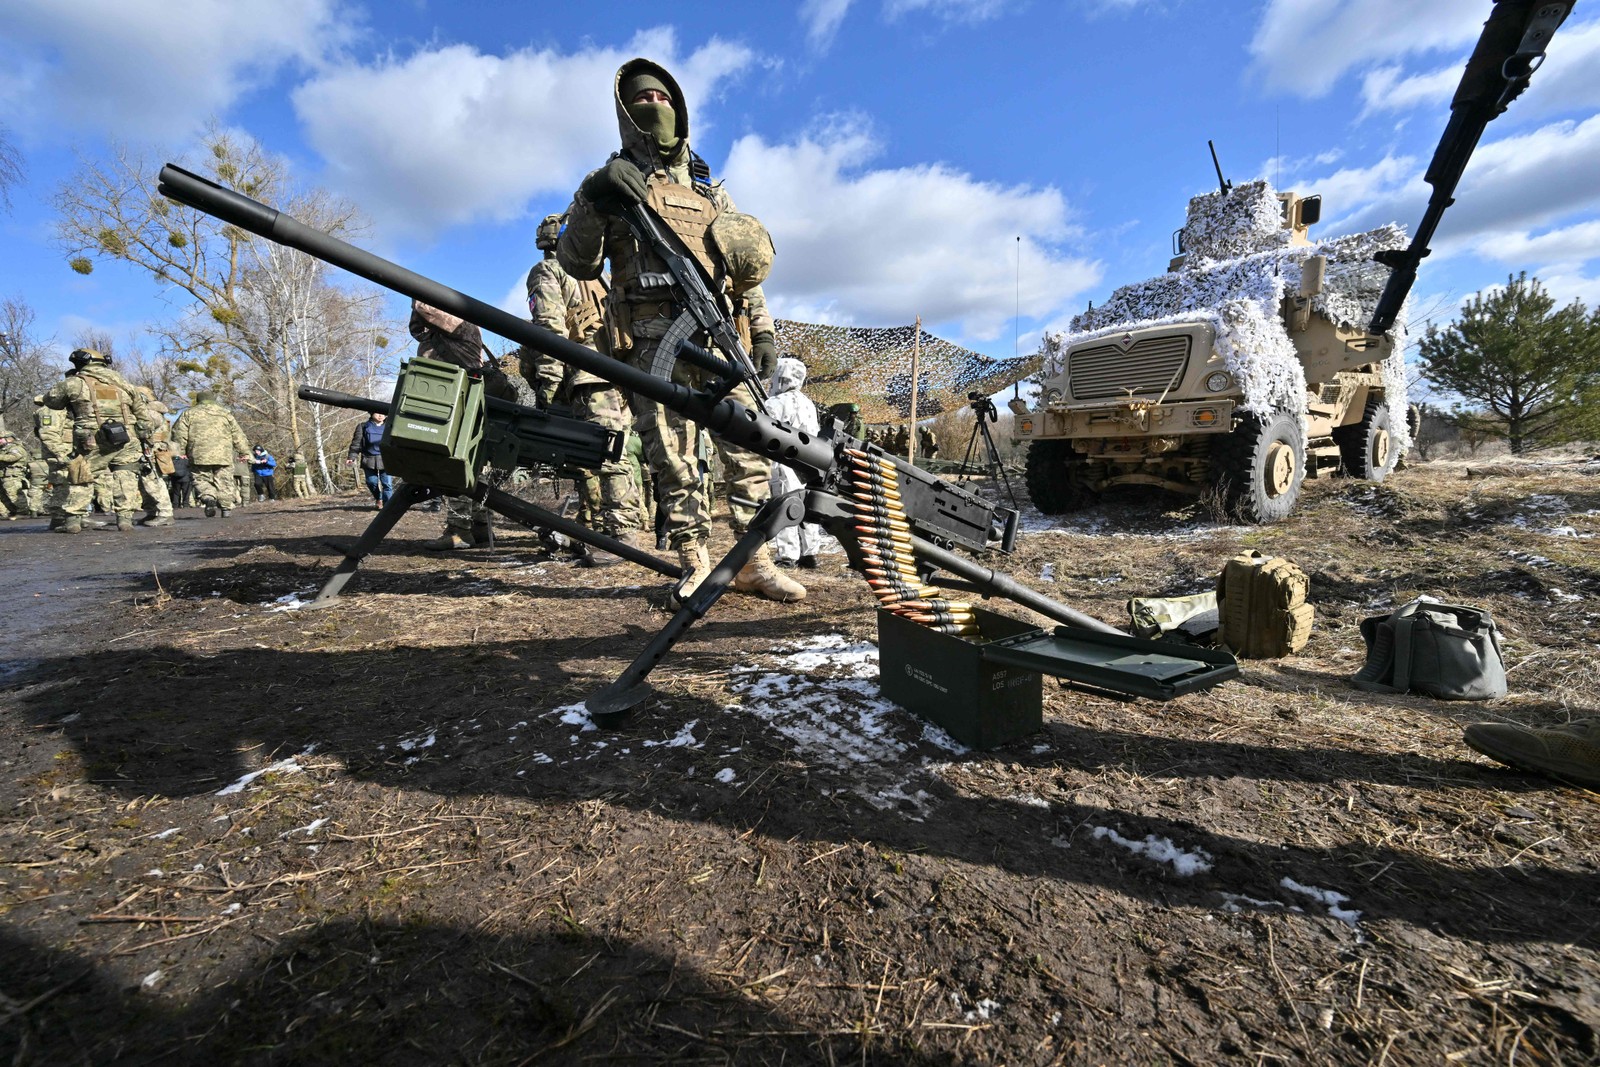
{"type": "Point", "coordinates": [450, 541]}
{"type": "Point", "coordinates": [70, 525]}
{"type": "Point", "coordinates": [125, 522]}
{"type": "Point", "coordinates": [760, 577]}
{"type": "Point", "coordinates": [599, 557]}
{"type": "Point", "coordinates": [210, 503]}
{"type": "Point", "coordinates": [158, 520]}
{"type": "Point", "coordinates": [223, 512]}
{"type": "Point", "coordinates": [1570, 753]}
{"type": "Point", "coordinates": [696, 564]}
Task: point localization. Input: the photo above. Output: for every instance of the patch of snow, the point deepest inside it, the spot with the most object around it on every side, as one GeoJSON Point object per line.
{"type": "Point", "coordinates": [855, 659]}
{"type": "Point", "coordinates": [1048, 572]}
{"type": "Point", "coordinates": [726, 776]}
{"type": "Point", "coordinates": [985, 1009]}
{"type": "Point", "coordinates": [574, 715]}
{"type": "Point", "coordinates": [1326, 897]}
{"type": "Point", "coordinates": [150, 980]}
{"type": "Point", "coordinates": [417, 742]}
{"type": "Point", "coordinates": [1161, 850]}
{"type": "Point", "coordinates": [287, 602]}
{"type": "Point", "coordinates": [164, 834]}
{"type": "Point", "coordinates": [233, 909]}
{"type": "Point", "coordinates": [1232, 902]}
{"type": "Point", "coordinates": [283, 766]}
{"type": "Point", "coordinates": [1032, 801]}
{"type": "Point", "coordinates": [684, 738]}
{"type": "Point", "coordinates": [310, 828]}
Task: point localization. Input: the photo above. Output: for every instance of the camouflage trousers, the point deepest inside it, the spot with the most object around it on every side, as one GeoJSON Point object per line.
{"type": "Point", "coordinates": [463, 514]}
{"type": "Point", "coordinates": [153, 488]}
{"type": "Point", "coordinates": [12, 496]}
{"type": "Point", "coordinates": [115, 486]}
{"type": "Point", "coordinates": [609, 495]}
{"type": "Point", "coordinates": [670, 442]}
{"type": "Point", "coordinates": [33, 499]}
{"type": "Point", "coordinates": [215, 481]}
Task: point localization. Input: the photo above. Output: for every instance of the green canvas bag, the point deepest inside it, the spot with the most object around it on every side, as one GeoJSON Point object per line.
{"type": "Point", "coordinates": [1447, 651]}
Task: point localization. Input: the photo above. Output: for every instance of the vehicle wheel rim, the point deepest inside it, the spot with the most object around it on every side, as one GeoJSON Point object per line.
{"type": "Point", "coordinates": [1380, 449]}
{"type": "Point", "coordinates": [1279, 469]}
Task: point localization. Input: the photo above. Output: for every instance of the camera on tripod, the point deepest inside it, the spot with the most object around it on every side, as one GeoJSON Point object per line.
{"type": "Point", "coordinates": [983, 407]}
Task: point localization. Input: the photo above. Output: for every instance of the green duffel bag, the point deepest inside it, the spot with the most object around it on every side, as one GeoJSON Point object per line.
{"type": "Point", "coordinates": [1447, 651]}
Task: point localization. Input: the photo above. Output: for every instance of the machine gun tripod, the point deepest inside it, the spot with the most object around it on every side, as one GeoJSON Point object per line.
{"type": "Point", "coordinates": [984, 412]}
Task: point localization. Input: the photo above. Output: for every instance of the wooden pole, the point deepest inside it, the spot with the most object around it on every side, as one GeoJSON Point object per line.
{"type": "Point", "coordinates": [911, 431]}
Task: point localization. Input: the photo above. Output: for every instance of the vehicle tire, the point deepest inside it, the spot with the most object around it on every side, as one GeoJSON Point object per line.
{"type": "Point", "coordinates": [1366, 450]}
{"type": "Point", "coordinates": [1260, 466]}
{"type": "Point", "coordinates": [1052, 477]}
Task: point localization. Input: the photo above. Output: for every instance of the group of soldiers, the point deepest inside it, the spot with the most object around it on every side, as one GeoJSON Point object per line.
{"type": "Point", "coordinates": [896, 440]}
{"type": "Point", "coordinates": [106, 442]}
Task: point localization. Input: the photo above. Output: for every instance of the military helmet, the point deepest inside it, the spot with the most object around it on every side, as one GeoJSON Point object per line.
{"type": "Point", "coordinates": [745, 247]}
{"type": "Point", "coordinates": [82, 357]}
{"type": "Point", "coordinates": [545, 236]}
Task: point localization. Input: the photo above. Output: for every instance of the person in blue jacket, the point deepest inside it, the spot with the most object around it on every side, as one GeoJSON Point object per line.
{"type": "Point", "coordinates": [262, 466]}
{"type": "Point", "coordinates": [364, 446]}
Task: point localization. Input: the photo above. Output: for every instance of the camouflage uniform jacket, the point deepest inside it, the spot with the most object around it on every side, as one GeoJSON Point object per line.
{"type": "Point", "coordinates": [448, 339]}
{"type": "Point", "coordinates": [209, 435]}
{"type": "Point", "coordinates": [592, 237]}
{"type": "Point", "coordinates": [96, 394]}
{"type": "Point", "coordinates": [54, 431]}
{"type": "Point", "coordinates": [567, 308]}
{"type": "Point", "coordinates": [13, 457]}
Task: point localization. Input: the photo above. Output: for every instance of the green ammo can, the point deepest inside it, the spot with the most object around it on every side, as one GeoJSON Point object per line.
{"type": "Point", "coordinates": [435, 424]}
{"type": "Point", "coordinates": [946, 679]}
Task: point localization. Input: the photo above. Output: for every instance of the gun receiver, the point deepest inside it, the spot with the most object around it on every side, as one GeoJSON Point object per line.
{"type": "Point", "coordinates": [1511, 47]}
{"type": "Point", "coordinates": [897, 523]}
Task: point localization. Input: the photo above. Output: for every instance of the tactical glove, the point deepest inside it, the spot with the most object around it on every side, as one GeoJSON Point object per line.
{"type": "Point", "coordinates": [614, 186]}
{"type": "Point", "coordinates": [764, 354]}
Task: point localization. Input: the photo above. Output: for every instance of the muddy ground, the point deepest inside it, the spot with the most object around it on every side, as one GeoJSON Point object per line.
{"type": "Point", "coordinates": [238, 830]}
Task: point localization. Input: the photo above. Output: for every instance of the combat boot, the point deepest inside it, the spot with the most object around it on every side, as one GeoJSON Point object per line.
{"type": "Point", "coordinates": [450, 541]}
{"type": "Point", "coordinates": [125, 522]}
{"type": "Point", "coordinates": [759, 576]}
{"type": "Point", "coordinates": [158, 520]}
{"type": "Point", "coordinates": [222, 511]}
{"type": "Point", "coordinates": [71, 524]}
{"type": "Point", "coordinates": [599, 557]}
{"type": "Point", "coordinates": [1570, 752]}
{"type": "Point", "coordinates": [696, 564]}
{"type": "Point", "coordinates": [210, 503]}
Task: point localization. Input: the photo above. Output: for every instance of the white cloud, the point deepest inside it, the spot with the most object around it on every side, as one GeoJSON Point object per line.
{"type": "Point", "coordinates": [152, 68]}
{"type": "Point", "coordinates": [1568, 247]}
{"type": "Point", "coordinates": [880, 247]}
{"type": "Point", "coordinates": [450, 135]}
{"type": "Point", "coordinates": [1304, 46]}
{"type": "Point", "coordinates": [1570, 78]}
{"type": "Point", "coordinates": [821, 19]}
{"type": "Point", "coordinates": [1390, 89]}
{"type": "Point", "coordinates": [947, 10]}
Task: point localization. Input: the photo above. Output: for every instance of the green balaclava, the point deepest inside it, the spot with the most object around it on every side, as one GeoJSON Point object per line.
{"type": "Point", "coordinates": [659, 121]}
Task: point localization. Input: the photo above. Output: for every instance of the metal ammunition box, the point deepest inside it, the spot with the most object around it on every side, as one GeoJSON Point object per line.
{"type": "Point", "coordinates": [435, 424]}
{"type": "Point", "coordinates": [946, 680]}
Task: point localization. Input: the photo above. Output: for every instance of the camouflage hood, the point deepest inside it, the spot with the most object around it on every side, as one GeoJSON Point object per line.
{"type": "Point", "coordinates": [790, 374]}
{"type": "Point", "coordinates": [635, 141]}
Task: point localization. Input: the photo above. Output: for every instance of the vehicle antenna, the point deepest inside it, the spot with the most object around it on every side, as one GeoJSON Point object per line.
{"type": "Point", "coordinates": [1221, 181]}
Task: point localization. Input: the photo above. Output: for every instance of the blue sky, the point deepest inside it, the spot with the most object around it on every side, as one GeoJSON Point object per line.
{"type": "Point", "coordinates": [896, 148]}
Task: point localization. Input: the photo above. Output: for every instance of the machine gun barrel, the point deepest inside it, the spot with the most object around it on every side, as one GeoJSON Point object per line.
{"type": "Point", "coordinates": [334, 398]}
{"type": "Point", "coordinates": [1510, 49]}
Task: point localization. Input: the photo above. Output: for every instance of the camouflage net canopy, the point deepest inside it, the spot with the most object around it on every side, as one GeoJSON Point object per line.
{"type": "Point", "coordinates": [871, 366]}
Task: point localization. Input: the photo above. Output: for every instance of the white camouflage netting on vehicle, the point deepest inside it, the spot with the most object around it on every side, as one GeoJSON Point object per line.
{"type": "Point", "coordinates": [1237, 269]}
{"type": "Point", "coordinates": [871, 366]}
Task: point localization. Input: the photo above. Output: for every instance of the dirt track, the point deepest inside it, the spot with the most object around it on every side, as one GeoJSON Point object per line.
{"type": "Point", "coordinates": [443, 863]}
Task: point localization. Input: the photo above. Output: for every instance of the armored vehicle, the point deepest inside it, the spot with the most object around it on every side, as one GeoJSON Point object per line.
{"type": "Point", "coordinates": [1245, 368]}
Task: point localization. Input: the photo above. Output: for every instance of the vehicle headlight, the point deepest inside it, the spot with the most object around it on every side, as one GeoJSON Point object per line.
{"type": "Point", "coordinates": [1052, 395]}
{"type": "Point", "coordinates": [1217, 381]}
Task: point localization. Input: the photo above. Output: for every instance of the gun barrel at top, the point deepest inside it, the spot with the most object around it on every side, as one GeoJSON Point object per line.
{"type": "Point", "coordinates": [736, 423]}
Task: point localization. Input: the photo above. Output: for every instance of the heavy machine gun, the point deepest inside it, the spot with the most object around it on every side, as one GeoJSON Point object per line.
{"type": "Point", "coordinates": [897, 523]}
{"type": "Point", "coordinates": [1510, 49]}
{"type": "Point", "coordinates": [444, 432]}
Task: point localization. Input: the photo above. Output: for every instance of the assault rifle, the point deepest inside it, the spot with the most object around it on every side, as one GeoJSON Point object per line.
{"type": "Point", "coordinates": [1510, 49]}
{"type": "Point", "coordinates": [701, 313]}
{"type": "Point", "coordinates": [898, 524]}
{"type": "Point", "coordinates": [444, 431]}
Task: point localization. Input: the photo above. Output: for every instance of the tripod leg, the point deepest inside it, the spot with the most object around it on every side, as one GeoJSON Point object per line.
{"type": "Point", "coordinates": [995, 464]}
{"type": "Point", "coordinates": [608, 706]}
{"type": "Point", "coordinates": [533, 515]}
{"type": "Point", "coordinates": [405, 497]}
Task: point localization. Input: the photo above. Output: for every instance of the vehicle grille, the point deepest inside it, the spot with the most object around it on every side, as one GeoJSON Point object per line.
{"type": "Point", "coordinates": [1150, 367]}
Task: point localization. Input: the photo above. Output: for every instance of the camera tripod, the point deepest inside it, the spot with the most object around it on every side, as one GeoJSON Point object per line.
{"type": "Point", "coordinates": [984, 413]}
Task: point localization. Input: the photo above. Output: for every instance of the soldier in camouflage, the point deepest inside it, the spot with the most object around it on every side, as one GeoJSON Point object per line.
{"type": "Point", "coordinates": [213, 440]}
{"type": "Point", "coordinates": [13, 475]}
{"type": "Point", "coordinates": [33, 497]}
{"type": "Point", "coordinates": [108, 419]}
{"type": "Point", "coordinates": [576, 310]}
{"type": "Point", "coordinates": [54, 431]}
{"type": "Point", "coordinates": [656, 166]}
{"type": "Point", "coordinates": [157, 465]}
